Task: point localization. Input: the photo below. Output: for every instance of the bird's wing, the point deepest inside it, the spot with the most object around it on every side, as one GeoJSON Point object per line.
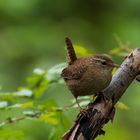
{"type": "Point", "coordinates": [73, 73]}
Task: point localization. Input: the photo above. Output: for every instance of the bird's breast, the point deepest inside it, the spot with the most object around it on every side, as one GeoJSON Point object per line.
{"type": "Point", "coordinates": [90, 83]}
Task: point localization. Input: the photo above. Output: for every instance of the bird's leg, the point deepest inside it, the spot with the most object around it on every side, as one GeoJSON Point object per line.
{"type": "Point", "coordinates": [82, 110]}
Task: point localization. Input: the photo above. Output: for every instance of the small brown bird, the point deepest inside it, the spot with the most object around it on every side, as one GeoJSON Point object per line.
{"type": "Point", "coordinates": [88, 75]}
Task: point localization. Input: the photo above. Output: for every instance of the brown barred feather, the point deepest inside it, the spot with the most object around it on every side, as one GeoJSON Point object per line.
{"type": "Point", "coordinates": [70, 50]}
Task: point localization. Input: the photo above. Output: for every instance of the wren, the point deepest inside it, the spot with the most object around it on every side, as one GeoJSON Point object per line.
{"type": "Point", "coordinates": [88, 75]}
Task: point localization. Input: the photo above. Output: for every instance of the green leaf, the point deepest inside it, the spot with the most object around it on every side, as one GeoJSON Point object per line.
{"type": "Point", "coordinates": [39, 71]}
{"type": "Point", "coordinates": [82, 104]}
{"type": "Point", "coordinates": [27, 104]}
{"type": "Point", "coordinates": [81, 51]}
{"type": "Point", "coordinates": [83, 101]}
{"type": "Point", "coordinates": [46, 105]}
{"type": "Point", "coordinates": [38, 91]}
{"type": "Point", "coordinates": [123, 54]}
{"type": "Point", "coordinates": [31, 113]}
{"type": "Point", "coordinates": [14, 106]}
{"type": "Point", "coordinates": [24, 93]}
{"type": "Point", "coordinates": [3, 104]}
{"type": "Point", "coordinates": [38, 83]}
{"type": "Point", "coordinates": [122, 106]}
{"type": "Point", "coordinates": [63, 126]}
{"type": "Point", "coordinates": [115, 51]}
{"type": "Point", "coordinates": [114, 70]}
{"type": "Point", "coordinates": [7, 96]}
{"type": "Point", "coordinates": [10, 134]}
{"type": "Point", "coordinates": [49, 118]}
{"type": "Point", "coordinates": [54, 73]}
{"type": "Point", "coordinates": [23, 105]}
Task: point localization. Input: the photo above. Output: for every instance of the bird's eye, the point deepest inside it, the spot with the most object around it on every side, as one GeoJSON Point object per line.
{"type": "Point", "coordinates": [104, 62]}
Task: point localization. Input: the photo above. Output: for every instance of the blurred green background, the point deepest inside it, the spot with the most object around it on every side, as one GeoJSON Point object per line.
{"type": "Point", "coordinates": [32, 35]}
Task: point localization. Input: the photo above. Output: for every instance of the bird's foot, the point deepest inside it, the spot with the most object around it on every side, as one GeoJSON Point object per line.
{"type": "Point", "coordinates": [84, 112]}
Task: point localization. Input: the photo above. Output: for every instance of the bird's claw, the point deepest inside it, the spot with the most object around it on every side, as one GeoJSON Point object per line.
{"type": "Point", "coordinates": [84, 112]}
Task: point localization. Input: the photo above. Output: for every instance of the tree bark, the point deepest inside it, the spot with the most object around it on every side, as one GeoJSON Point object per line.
{"type": "Point", "coordinates": [88, 126]}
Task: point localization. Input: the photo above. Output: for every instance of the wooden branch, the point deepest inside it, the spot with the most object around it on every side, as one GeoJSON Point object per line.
{"type": "Point", "coordinates": [89, 126]}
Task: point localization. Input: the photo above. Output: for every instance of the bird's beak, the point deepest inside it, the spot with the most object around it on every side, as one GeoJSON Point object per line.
{"type": "Point", "coordinates": [115, 65]}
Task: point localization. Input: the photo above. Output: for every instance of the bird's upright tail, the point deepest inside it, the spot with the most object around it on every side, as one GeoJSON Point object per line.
{"type": "Point", "coordinates": [70, 50]}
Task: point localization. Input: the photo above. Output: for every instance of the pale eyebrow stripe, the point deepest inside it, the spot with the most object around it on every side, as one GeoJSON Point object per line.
{"type": "Point", "coordinates": [99, 59]}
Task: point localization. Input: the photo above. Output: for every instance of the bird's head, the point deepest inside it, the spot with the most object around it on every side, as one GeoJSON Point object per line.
{"type": "Point", "coordinates": [103, 61]}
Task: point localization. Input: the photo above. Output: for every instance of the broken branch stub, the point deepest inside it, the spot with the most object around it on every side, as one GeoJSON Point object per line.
{"type": "Point", "coordinates": [99, 112]}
